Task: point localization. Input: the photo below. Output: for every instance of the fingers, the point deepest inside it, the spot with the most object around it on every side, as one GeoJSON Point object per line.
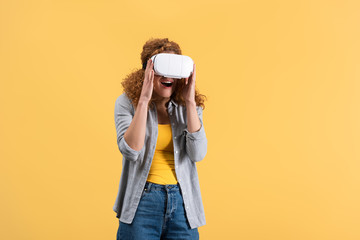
{"type": "Point", "coordinates": [149, 69]}
{"type": "Point", "coordinates": [192, 76]}
{"type": "Point", "coordinates": [147, 87]}
{"type": "Point", "coordinates": [148, 64]}
{"type": "Point", "coordinates": [151, 64]}
{"type": "Point", "coordinates": [151, 76]}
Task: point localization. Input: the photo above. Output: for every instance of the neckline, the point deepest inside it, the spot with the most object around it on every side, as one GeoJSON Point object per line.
{"type": "Point", "coordinates": [164, 124]}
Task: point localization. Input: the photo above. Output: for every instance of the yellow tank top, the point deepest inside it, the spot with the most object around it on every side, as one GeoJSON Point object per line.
{"type": "Point", "coordinates": [162, 169]}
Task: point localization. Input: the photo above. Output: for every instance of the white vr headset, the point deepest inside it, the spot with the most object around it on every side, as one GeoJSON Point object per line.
{"type": "Point", "coordinates": [172, 65]}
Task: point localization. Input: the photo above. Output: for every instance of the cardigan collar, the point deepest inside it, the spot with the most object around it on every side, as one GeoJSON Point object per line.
{"type": "Point", "coordinates": [173, 102]}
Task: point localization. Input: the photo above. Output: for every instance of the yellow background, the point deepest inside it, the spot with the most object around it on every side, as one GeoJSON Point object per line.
{"type": "Point", "coordinates": [282, 117]}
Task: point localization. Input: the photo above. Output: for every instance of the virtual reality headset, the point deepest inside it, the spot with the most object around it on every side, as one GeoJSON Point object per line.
{"type": "Point", "coordinates": [172, 65]}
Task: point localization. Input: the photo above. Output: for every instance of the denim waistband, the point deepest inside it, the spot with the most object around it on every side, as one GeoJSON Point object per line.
{"type": "Point", "coordinates": [150, 185]}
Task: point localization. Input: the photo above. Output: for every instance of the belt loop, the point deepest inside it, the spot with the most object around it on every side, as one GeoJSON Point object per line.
{"type": "Point", "coordinates": [149, 186]}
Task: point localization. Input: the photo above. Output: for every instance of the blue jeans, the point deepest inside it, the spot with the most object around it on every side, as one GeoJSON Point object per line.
{"type": "Point", "coordinates": [160, 215]}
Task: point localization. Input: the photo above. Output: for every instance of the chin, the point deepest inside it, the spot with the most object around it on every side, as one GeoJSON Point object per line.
{"type": "Point", "coordinates": [164, 94]}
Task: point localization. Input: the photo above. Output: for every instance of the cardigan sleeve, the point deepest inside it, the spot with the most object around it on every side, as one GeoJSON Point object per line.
{"type": "Point", "coordinates": [123, 115]}
{"type": "Point", "coordinates": [196, 142]}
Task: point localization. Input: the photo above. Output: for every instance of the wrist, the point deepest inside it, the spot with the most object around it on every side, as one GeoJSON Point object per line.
{"type": "Point", "coordinates": [190, 103]}
{"type": "Point", "coordinates": [143, 102]}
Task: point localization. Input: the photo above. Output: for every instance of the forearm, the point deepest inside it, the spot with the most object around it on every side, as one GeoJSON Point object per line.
{"type": "Point", "coordinates": [135, 134]}
{"type": "Point", "coordinates": [193, 121]}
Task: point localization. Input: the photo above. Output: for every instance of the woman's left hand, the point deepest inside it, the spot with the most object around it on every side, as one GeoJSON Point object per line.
{"type": "Point", "coordinates": [188, 92]}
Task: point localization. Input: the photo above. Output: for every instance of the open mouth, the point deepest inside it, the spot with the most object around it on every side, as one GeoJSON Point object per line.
{"type": "Point", "coordinates": [167, 83]}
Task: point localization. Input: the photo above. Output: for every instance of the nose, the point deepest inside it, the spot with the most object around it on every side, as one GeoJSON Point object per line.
{"type": "Point", "coordinates": [167, 78]}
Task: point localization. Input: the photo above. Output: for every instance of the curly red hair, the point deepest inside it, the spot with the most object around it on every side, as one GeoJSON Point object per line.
{"type": "Point", "coordinates": [133, 82]}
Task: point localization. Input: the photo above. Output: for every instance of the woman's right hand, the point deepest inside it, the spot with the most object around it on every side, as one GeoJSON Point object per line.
{"type": "Point", "coordinates": [135, 134]}
{"type": "Point", "coordinates": [148, 84]}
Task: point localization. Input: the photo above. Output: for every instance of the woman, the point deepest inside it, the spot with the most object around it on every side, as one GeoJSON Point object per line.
{"type": "Point", "coordinates": [161, 136]}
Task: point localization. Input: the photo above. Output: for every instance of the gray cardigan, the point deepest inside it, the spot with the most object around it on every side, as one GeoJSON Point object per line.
{"type": "Point", "coordinates": [189, 148]}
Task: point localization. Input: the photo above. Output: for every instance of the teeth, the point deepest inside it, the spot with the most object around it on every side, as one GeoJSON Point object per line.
{"type": "Point", "coordinates": [167, 82]}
